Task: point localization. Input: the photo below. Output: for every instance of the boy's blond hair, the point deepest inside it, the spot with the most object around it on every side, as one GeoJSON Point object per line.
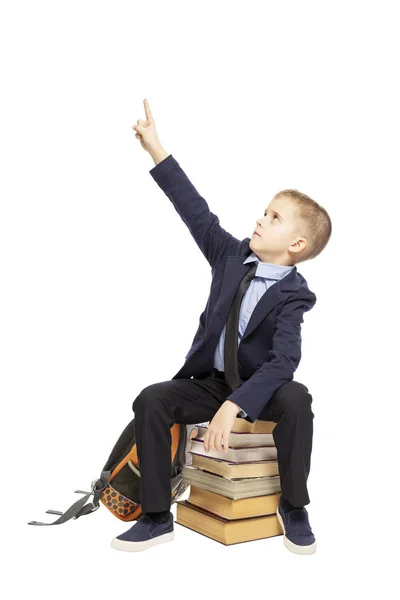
{"type": "Point", "coordinates": [314, 223]}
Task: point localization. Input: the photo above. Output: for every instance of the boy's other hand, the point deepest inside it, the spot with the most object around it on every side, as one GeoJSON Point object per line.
{"type": "Point", "coordinates": [219, 429]}
{"type": "Point", "coordinates": [147, 135]}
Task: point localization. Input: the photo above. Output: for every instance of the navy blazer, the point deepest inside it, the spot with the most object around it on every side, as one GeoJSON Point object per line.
{"type": "Point", "coordinates": [270, 348]}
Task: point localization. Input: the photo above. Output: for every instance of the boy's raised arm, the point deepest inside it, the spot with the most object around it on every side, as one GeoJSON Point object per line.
{"type": "Point", "coordinates": [213, 241]}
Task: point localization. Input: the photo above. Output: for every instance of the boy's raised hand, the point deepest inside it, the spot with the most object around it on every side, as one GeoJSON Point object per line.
{"type": "Point", "coordinates": [146, 130]}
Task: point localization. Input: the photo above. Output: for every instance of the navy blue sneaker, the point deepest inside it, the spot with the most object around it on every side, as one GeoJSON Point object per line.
{"type": "Point", "coordinates": [144, 533]}
{"type": "Point", "coordinates": [298, 536]}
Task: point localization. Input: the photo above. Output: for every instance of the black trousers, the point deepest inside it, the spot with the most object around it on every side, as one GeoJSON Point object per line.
{"type": "Point", "coordinates": [187, 401]}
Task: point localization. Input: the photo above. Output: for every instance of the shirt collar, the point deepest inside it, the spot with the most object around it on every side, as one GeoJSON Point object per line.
{"type": "Point", "coordinates": [269, 270]}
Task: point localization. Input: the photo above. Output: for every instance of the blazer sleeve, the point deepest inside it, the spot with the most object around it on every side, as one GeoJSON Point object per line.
{"type": "Point", "coordinates": [284, 357]}
{"type": "Point", "coordinates": [213, 241]}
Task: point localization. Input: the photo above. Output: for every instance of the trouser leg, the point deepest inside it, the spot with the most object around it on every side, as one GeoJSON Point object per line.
{"type": "Point", "coordinates": [290, 408]}
{"type": "Point", "coordinates": [157, 408]}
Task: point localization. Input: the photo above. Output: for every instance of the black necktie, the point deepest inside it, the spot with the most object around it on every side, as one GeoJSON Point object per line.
{"type": "Point", "coordinates": [231, 364]}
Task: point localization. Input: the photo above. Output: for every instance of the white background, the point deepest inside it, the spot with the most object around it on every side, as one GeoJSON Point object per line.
{"type": "Point", "coordinates": [102, 284]}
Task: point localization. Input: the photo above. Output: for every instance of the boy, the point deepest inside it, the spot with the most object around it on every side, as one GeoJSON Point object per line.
{"type": "Point", "coordinates": [257, 300]}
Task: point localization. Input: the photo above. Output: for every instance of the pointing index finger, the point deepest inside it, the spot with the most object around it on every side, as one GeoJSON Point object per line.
{"type": "Point", "coordinates": [147, 110]}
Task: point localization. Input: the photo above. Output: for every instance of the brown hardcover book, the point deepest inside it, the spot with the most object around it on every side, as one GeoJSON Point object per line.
{"type": "Point", "coordinates": [227, 508]}
{"type": "Point", "coordinates": [240, 439]}
{"type": "Point", "coordinates": [225, 530]}
{"type": "Point", "coordinates": [232, 470]}
{"type": "Point", "coordinates": [245, 454]}
{"type": "Point", "coordinates": [258, 426]}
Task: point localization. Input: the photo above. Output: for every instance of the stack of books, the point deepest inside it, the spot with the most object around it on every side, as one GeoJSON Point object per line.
{"type": "Point", "coordinates": [234, 494]}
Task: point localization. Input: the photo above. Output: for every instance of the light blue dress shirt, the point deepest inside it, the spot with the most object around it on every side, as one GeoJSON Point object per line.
{"type": "Point", "coordinates": [266, 275]}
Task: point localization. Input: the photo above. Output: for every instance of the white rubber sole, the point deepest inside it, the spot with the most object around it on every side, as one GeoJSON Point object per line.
{"type": "Point", "coordinates": [137, 546]}
{"type": "Point", "coordinates": [310, 549]}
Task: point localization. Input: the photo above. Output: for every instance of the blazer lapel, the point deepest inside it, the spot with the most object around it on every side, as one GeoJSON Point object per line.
{"type": "Point", "coordinates": [233, 273]}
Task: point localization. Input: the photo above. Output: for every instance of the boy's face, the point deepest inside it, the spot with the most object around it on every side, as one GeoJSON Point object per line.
{"type": "Point", "coordinates": [277, 233]}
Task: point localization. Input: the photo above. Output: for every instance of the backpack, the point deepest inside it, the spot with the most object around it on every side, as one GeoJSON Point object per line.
{"type": "Point", "coordinates": [118, 487]}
